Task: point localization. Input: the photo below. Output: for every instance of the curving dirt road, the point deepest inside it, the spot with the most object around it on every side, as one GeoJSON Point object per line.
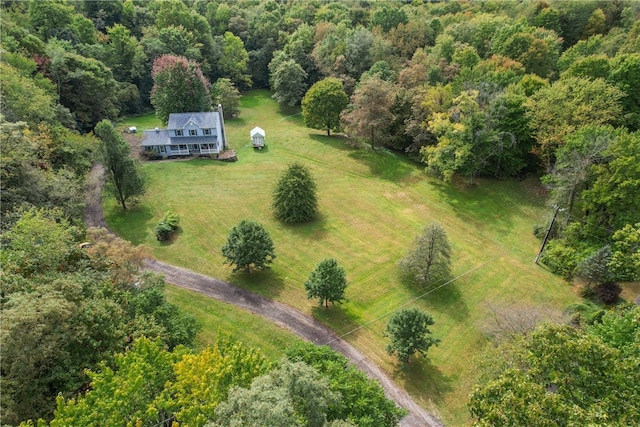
{"type": "Point", "coordinates": [275, 312]}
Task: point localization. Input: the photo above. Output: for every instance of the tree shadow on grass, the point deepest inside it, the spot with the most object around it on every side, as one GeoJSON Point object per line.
{"type": "Point", "coordinates": [202, 162]}
{"type": "Point", "coordinates": [261, 150]}
{"type": "Point", "coordinates": [490, 203]}
{"type": "Point", "coordinates": [240, 121]}
{"type": "Point", "coordinates": [132, 224]}
{"type": "Point", "coordinates": [286, 110]}
{"type": "Point", "coordinates": [172, 238]}
{"type": "Point", "coordinates": [266, 282]}
{"type": "Point", "coordinates": [449, 297]}
{"type": "Point", "coordinates": [339, 318]}
{"type": "Point", "coordinates": [314, 230]}
{"type": "Point", "coordinates": [384, 164]}
{"type": "Point", "coordinates": [425, 376]}
{"type": "Point", "coordinates": [443, 296]}
{"type": "Point", "coordinates": [338, 142]}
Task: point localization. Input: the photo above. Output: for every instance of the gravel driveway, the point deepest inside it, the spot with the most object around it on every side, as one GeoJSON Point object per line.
{"type": "Point", "coordinates": [282, 315]}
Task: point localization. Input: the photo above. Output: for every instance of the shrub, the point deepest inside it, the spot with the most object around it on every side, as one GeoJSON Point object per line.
{"type": "Point", "coordinates": [167, 226]}
{"type": "Point", "coordinates": [150, 155]}
{"type": "Point", "coordinates": [172, 219]}
{"type": "Point", "coordinates": [560, 258]}
{"type": "Point", "coordinates": [608, 292]}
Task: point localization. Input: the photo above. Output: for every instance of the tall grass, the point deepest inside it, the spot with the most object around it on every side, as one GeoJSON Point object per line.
{"type": "Point", "coordinates": [372, 205]}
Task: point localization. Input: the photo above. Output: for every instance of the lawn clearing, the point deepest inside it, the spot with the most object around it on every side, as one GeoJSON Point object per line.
{"type": "Point", "coordinates": [219, 319]}
{"type": "Point", "coordinates": [144, 122]}
{"type": "Point", "coordinates": [372, 205]}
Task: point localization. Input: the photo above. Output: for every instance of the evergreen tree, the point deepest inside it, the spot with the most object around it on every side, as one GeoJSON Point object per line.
{"type": "Point", "coordinates": [295, 199]}
{"type": "Point", "coordinates": [595, 268]}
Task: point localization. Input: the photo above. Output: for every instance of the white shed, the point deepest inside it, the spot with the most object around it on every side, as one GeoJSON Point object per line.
{"type": "Point", "coordinates": [257, 137]}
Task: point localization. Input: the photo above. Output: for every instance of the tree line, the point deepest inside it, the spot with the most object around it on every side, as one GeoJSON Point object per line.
{"type": "Point", "coordinates": [469, 89]}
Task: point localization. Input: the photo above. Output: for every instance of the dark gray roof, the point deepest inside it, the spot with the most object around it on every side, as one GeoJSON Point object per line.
{"type": "Point", "coordinates": [155, 137]}
{"type": "Point", "coordinates": [161, 137]}
{"type": "Point", "coordinates": [208, 119]}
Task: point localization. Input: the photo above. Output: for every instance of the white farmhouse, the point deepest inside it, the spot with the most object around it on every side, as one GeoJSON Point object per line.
{"type": "Point", "coordinates": [188, 134]}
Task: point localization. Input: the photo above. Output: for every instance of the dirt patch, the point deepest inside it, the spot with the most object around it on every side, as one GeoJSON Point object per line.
{"type": "Point", "coordinates": [135, 143]}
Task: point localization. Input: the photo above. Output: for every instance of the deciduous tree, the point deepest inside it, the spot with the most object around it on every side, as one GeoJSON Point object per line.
{"type": "Point", "coordinates": [224, 92]}
{"type": "Point", "coordinates": [563, 375]}
{"type": "Point", "coordinates": [362, 399]}
{"type": "Point", "coordinates": [429, 260]}
{"type": "Point", "coordinates": [410, 334]}
{"type": "Point", "coordinates": [560, 109]}
{"type": "Point", "coordinates": [288, 81]}
{"type": "Point", "coordinates": [80, 82]}
{"type": "Point", "coordinates": [583, 149]}
{"type": "Point", "coordinates": [248, 243]}
{"type": "Point", "coordinates": [370, 114]}
{"type": "Point", "coordinates": [234, 61]}
{"type": "Point", "coordinates": [327, 282]}
{"type": "Point", "coordinates": [124, 179]}
{"type": "Point", "coordinates": [204, 379]}
{"type": "Point", "coordinates": [128, 393]}
{"type": "Point", "coordinates": [178, 87]}
{"type": "Point", "coordinates": [323, 103]}
{"type": "Point", "coordinates": [625, 260]}
{"type": "Point", "coordinates": [611, 200]}
{"type": "Point", "coordinates": [293, 394]}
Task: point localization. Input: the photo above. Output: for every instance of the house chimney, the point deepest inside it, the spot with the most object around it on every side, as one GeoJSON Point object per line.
{"type": "Point", "coordinates": [223, 133]}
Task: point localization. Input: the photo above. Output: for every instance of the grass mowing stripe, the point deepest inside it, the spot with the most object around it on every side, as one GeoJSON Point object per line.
{"type": "Point", "coordinates": [372, 205]}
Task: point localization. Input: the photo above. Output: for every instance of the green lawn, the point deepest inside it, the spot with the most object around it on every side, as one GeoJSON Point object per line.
{"type": "Point", "coordinates": [146, 122]}
{"type": "Point", "coordinates": [372, 205]}
{"type": "Point", "coordinates": [219, 319]}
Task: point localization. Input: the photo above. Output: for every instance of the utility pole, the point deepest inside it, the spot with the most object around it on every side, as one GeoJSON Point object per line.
{"type": "Point", "coordinates": [546, 236]}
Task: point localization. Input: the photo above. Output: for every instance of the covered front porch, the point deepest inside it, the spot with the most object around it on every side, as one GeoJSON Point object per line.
{"type": "Point", "coordinates": [183, 149]}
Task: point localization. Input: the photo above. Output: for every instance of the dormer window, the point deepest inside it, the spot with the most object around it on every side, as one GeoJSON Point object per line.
{"type": "Point", "coordinates": [178, 133]}
{"type": "Point", "coordinates": [193, 132]}
{"type": "Point", "coordinates": [207, 131]}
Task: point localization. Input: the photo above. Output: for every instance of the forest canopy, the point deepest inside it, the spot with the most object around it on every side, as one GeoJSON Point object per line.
{"type": "Point", "coordinates": [467, 89]}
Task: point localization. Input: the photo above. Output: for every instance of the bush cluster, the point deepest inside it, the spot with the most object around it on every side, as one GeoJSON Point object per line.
{"type": "Point", "coordinates": [167, 226]}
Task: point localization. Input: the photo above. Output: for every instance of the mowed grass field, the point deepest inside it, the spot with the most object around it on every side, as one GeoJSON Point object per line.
{"type": "Point", "coordinates": [372, 206]}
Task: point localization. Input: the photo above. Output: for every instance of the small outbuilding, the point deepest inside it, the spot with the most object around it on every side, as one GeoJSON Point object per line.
{"type": "Point", "coordinates": [257, 137]}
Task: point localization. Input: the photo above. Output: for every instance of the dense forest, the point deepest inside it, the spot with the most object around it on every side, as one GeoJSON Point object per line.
{"type": "Point", "coordinates": [468, 89]}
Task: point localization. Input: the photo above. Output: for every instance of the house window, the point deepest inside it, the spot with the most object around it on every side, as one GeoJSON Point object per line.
{"type": "Point", "coordinates": [182, 147]}
{"type": "Point", "coordinates": [193, 132]}
{"type": "Point", "coordinates": [178, 133]}
{"type": "Point", "coordinates": [207, 131]}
